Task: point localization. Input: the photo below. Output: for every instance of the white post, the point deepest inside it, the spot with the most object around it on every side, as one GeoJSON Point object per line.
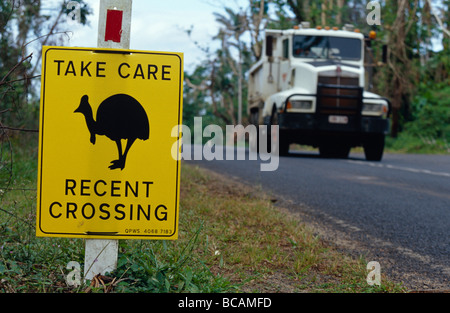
{"type": "Point", "coordinates": [114, 23]}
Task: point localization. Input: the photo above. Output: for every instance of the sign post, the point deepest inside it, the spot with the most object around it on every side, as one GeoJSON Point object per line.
{"type": "Point", "coordinates": [114, 22]}
{"type": "Point", "coordinates": [106, 164]}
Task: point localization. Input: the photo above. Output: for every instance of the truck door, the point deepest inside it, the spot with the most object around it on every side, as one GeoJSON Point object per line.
{"type": "Point", "coordinates": [284, 80]}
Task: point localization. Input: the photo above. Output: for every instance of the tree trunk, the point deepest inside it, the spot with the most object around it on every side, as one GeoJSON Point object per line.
{"type": "Point", "coordinates": [323, 15]}
{"type": "Point", "coordinates": [340, 4]}
{"type": "Point", "coordinates": [399, 64]}
{"type": "Point", "coordinates": [239, 121]}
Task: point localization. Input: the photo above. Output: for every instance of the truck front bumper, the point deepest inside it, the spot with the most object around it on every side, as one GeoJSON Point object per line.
{"type": "Point", "coordinates": [311, 122]}
{"type": "Point", "coordinates": [311, 129]}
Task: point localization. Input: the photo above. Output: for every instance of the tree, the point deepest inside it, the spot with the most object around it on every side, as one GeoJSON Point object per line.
{"type": "Point", "coordinates": [222, 76]}
{"type": "Point", "coordinates": [233, 26]}
{"type": "Point", "coordinates": [324, 12]}
{"type": "Point", "coordinates": [256, 22]}
{"type": "Point", "coordinates": [409, 28]}
{"type": "Point", "coordinates": [24, 29]}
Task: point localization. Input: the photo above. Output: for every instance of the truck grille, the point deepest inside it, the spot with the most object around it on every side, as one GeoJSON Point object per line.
{"type": "Point", "coordinates": [339, 95]}
{"type": "Point", "coordinates": [334, 80]}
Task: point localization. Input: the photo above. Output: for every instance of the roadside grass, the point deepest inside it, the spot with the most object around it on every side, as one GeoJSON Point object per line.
{"type": "Point", "coordinates": [262, 248]}
{"type": "Point", "coordinates": [408, 143]}
{"type": "Point", "coordinates": [231, 239]}
{"type": "Point", "coordinates": [404, 143]}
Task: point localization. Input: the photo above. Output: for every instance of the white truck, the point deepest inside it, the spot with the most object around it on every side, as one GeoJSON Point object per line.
{"type": "Point", "coordinates": [312, 83]}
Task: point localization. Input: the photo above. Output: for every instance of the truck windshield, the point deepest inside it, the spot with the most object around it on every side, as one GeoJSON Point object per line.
{"type": "Point", "coordinates": [326, 47]}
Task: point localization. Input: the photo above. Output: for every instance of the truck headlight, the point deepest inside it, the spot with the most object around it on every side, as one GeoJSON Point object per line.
{"type": "Point", "coordinates": [375, 109]}
{"type": "Point", "coordinates": [299, 105]}
{"type": "Point", "coordinates": [372, 107]}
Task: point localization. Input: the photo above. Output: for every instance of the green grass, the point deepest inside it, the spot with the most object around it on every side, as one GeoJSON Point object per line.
{"type": "Point", "coordinates": [231, 239]}
{"type": "Point", "coordinates": [408, 143]}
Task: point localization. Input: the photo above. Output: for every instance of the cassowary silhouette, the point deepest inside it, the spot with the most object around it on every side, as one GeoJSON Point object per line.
{"type": "Point", "coordinates": [118, 117]}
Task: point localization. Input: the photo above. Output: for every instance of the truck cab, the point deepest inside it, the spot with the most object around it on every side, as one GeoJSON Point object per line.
{"type": "Point", "coordinates": [312, 83]}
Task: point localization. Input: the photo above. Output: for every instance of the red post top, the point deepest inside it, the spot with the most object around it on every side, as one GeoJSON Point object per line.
{"type": "Point", "coordinates": [113, 27]}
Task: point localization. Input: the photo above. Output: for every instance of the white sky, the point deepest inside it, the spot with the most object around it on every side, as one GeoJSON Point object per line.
{"type": "Point", "coordinates": [159, 25]}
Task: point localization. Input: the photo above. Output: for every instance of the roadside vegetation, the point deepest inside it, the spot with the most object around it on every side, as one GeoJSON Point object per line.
{"type": "Point", "coordinates": [428, 130]}
{"type": "Point", "coordinates": [232, 239]}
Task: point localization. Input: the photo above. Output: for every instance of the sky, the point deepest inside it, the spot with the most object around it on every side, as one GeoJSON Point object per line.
{"type": "Point", "coordinates": [158, 25]}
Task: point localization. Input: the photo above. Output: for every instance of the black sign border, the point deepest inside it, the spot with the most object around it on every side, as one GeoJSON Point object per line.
{"type": "Point", "coordinates": [41, 146]}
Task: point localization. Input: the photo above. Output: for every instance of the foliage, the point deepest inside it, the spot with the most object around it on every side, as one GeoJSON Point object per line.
{"type": "Point", "coordinates": [431, 113]}
{"type": "Point", "coordinates": [24, 29]}
{"type": "Point", "coordinates": [162, 266]}
{"type": "Point", "coordinates": [219, 81]}
{"type": "Point", "coordinates": [217, 90]}
{"type": "Point", "coordinates": [428, 130]}
{"type": "Point", "coordinates": [408, 27]}
{"type": "Point", "coordinates": [32, 264]}
{"type": "Point", "coordinates": [231, 239]}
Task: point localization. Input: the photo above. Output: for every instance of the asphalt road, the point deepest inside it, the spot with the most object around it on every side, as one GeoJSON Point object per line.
{"type": "Point", "coordinates": [395, 212]}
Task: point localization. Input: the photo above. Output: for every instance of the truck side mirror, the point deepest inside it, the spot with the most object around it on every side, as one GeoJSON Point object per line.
{"type": "Point", "coordinates": [384, 54]}
{"type": "Point", "coordinates": [269, 46]}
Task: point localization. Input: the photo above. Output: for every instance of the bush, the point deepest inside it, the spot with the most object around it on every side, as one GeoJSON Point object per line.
{"type": "Point", "coordinates": [429, 129]}
{"type": "Point", "coordinates": [431, 114]}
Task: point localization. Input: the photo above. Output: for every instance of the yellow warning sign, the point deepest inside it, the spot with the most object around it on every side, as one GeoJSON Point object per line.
{"type": "Point", "coordinates": [106, 168]}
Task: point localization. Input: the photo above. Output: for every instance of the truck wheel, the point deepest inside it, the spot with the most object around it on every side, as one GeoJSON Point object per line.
{"type": "Point", "coordinates": [374, 147]}
{"type": "Point", "coordinates": [283, 145]}
{"type": "Point", "coordinates": [283, 140]}
{"type": "Point", "coordinates": [254, 116]}
{"type": "Point", "coordinates": [254, 142]}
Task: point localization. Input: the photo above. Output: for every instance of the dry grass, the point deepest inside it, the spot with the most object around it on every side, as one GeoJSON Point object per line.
{"type": "Point", "coordinates": [261, 247]}
{"type": "Point", "coordinates": [231, 238]}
